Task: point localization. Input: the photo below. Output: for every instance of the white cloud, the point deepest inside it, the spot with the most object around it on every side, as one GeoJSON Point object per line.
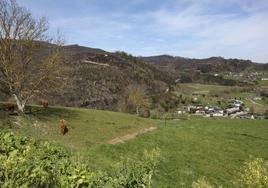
{"type": "Point", "coordinates": [225, 34]}
{"type": "Point", "coordinates": [195, 30]}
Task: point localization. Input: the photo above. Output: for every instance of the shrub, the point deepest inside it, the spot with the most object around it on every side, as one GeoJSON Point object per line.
{"type": "Point", "coordinates": [27, 163]}
{"type": "Point", "coordinates": [144, 112]}
{"type": "Point", "coordinates": [136, 173]}
{"type": "Point", "coordinates": [10, 107]}
{"type": "Point", "coordinates": [202, 183]}
{"type": "Point", "coordinates": [254, 174]}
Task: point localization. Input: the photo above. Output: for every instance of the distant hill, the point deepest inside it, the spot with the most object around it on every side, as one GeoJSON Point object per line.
{"type": "Point", "coordinates": [212, 64]}
{"type": "Point", "coordinates": [201, 70]}
{"type": "Point", "coordinates": [100, 77]}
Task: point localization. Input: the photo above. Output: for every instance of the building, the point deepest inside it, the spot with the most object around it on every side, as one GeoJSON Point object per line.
{"type": "Point", "coordinates": [235, 103]}
{"type": "Point", "coordinates": [232, 110]}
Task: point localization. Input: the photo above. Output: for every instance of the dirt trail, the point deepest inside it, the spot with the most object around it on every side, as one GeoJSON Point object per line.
{"type": "Point", "coordinates": [95, 63]}
{"type": "Point", "coordinates": [130, 136]}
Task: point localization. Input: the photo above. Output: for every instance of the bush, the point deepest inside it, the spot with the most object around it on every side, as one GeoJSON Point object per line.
{"type": "Point", "coordinates": [5, 121]}
{"type": "Point", "coordinates": [202, 183]}
{"type": "Point", "coordinates": [131, 173]}
{"type": "Point", "coordinates": [145, 112]}
{"type": "Point", "coordinates": [10, 107]}
{"type": "Point", "coordinates": [27, 163]}
{"type": "Point", "coordinates": [254, 174]}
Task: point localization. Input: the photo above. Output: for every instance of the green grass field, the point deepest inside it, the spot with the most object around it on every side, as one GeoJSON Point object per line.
{"type": "Point", "coordinates": [263, 83]}
{"type": "Point", "coordinates": [86, 127]}
{"type": "Point", "coordinates": [190, 149]}
{"type": "Point", "coordinates": [214, 148]}
{"type": "Point", "coordinates": [203, 88]}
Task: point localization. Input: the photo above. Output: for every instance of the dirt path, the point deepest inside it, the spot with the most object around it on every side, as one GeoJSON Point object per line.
{"type": "Point", "coordinates": [130, 136]}
{"type": "Point", "coordinates": [95, 63]}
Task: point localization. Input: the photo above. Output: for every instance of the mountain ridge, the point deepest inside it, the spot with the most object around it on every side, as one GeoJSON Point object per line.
{"type": "Point", "coordinates": [100, 77]}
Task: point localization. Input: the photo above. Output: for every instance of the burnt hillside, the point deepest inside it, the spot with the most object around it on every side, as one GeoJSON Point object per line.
{"type": "Point", "coordinates": [208, 65]}
{"type": "Point", "coordinates": [203, 70]}
{"type": "Point", "coordinates": [100, 77]}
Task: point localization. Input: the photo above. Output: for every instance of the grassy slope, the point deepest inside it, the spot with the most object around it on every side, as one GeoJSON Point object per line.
{"type": "Point", "coordinates": [203, 88]}
{"type": "Point", "coordinates": [263, 84]}
{"type": "Point", "coordinates": [214, 148]}
{"type": "Point", "coordinates": [86, 127]}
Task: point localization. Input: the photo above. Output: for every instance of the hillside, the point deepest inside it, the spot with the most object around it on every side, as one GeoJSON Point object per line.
{"type": "Point", "coordinates": [212, 64]}
{"type": "Point", "coordinates": [200, 70]}
{"type": "Point", "coordinates": [99, 78]}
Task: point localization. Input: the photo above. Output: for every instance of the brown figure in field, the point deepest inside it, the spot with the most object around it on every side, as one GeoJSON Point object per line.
{"type": "Point", "coordinates": [44, 103]}
{"type": "Point", "coordinates": [9, 107]}
{"type": "Point", "coordinates": [63, 127]}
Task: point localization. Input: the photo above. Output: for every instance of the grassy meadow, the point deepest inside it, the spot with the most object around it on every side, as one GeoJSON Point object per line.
{"type": "Point", "coordinates": [190, 149]}
{"type": "Point", "coordinates": [263, 84]}
{"type": "Point", "coordinates": [86, 127]}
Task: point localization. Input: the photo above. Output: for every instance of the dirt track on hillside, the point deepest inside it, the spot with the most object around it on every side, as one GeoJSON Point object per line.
{"type": "Point", "coordinates": [130, 136]}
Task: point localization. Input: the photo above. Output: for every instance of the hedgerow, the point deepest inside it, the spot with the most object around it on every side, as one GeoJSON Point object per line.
{"type": "Point", "coordinates": [25, 162]}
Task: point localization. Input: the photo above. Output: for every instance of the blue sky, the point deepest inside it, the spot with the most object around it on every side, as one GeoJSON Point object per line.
{"type": "Point", "coordinates": [188, 28]}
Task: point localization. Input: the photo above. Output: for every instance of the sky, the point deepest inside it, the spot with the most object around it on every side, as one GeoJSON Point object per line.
{"type": "Point", "coordinates": [187, 28]}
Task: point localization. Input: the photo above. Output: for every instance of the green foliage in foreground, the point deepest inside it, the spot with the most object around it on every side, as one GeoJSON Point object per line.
{"type": "Point", "coordinates": [202, 183]}
{"type": "Point", "coordinates": [27, 163]}
{"type": "Point", "coordinates": [254, 174]}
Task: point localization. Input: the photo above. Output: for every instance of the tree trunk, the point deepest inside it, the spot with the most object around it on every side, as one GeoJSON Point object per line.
{"type": "Point", "coordinates": [20, 104]}
{"type": "Point", "coordinates": [137, 111]}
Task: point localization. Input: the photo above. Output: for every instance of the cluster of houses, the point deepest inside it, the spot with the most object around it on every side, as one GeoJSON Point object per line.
{"type": "Point", "coordinates": [235, 110]}
{"type": "Point", "coordinates": [250, 76]}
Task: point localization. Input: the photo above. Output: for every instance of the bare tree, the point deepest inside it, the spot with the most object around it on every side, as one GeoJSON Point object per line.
{"type": "Point", "coordinates": [29, 58]}
{"type": "Point", "coordinates": [137, 97]}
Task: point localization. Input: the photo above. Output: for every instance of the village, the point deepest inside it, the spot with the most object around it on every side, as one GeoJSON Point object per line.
{"type": "Point", "coordinates": [236, 109]}
{"type": "Point", "coordinates": [250, 76]}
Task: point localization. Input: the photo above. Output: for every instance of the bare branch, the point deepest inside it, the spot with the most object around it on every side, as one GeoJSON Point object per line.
{"type": "Point", "coordinates": [28, 61]}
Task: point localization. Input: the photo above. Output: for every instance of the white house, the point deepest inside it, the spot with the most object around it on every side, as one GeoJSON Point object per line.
{"type": "Point", "coordinates": [218, 114]}
{"type": "Point", "coordinates": [236, 103]}
{"type": "Point", "coordinates": [232, 110]}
